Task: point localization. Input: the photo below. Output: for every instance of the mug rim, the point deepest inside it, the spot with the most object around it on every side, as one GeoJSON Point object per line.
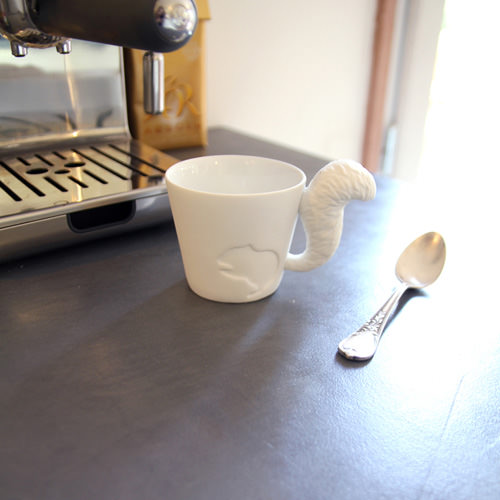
{"type": "Point", "coordinates": [206, 160]}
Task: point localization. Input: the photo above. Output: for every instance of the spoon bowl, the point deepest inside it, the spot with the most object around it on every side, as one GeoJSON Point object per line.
{"type": "Point", "coordinates": [422, 261]}
{"type": "Point", "coordinates": [419, 265]}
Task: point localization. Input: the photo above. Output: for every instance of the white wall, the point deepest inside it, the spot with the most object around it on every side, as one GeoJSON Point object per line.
{"type": "Point", "coordinates": [293, 72]}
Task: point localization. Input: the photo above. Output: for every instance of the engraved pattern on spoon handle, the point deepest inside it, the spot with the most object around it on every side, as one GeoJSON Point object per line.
{"type": "Point", "coordinates": [362, 344]}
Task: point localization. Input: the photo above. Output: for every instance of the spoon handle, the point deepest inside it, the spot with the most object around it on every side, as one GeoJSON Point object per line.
{"type": "Point", "coordinates": [362, 344]}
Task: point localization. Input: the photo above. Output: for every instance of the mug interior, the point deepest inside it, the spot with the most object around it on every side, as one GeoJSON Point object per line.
{"type": "Point", "coordinates": [235, 175]}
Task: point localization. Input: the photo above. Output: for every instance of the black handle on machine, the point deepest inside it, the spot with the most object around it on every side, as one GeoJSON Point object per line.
{"type": "Point", "coordinates": [153, 25]}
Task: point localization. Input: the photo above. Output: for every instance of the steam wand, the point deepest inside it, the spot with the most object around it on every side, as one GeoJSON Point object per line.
{"type": "Point", "coordinates": [153, 82]}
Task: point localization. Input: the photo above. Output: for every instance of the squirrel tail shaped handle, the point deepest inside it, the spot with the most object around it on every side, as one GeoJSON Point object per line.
{"type": "Point", "coordinates": [322, 210]}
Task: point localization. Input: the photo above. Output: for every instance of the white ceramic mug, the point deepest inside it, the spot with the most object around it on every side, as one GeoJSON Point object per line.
{"type": "Point", "coordinates": [235, 217]}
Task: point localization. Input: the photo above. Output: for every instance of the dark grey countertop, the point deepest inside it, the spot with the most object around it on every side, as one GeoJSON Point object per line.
{"type": "Point", "coordinates": [117, 382]}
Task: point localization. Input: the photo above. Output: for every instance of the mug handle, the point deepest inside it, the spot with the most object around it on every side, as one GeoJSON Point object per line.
{"type": "Point", "coordinates": [322, 210]}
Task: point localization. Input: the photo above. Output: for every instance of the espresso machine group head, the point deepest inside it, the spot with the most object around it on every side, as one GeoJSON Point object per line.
{"type": "Point", "coordinates": [150, 25]}
{"type": "Point", "coordinates": [69, 169]}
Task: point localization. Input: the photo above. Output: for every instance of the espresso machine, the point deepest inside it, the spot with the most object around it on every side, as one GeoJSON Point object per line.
{"type": "Point", "coordinates": [69, 169]}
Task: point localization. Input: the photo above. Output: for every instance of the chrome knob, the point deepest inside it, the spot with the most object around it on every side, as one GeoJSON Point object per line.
{"type": "Point", "coordinates": [176, 19]}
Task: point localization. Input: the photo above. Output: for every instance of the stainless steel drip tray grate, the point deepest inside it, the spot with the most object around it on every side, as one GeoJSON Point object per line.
{"type": "Point", "coordinates": [37, 189]}
{"type": "Point", "coordinates": [55, 179]}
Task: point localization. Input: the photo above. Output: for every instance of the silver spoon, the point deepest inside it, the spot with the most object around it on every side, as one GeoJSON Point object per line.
{"type": "Point", "coordinates": [419, 265]}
